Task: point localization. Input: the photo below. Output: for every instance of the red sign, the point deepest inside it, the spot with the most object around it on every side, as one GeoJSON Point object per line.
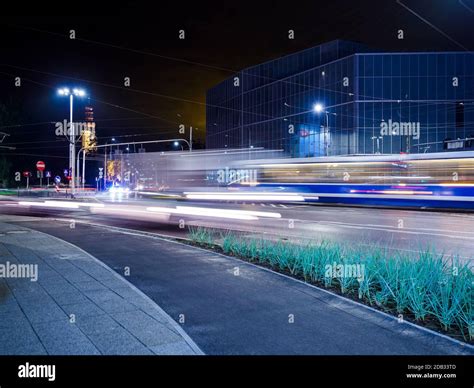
{"type": "Point", "coordinates": [40, 166]}
{"type": "Point", "coordinates": [26, 174]}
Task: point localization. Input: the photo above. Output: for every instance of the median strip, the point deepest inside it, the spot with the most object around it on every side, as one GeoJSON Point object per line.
{"type": "Point", "coordinates": [430, 289]}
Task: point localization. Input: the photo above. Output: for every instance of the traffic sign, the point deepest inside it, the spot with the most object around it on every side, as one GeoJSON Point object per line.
{"type": "Point", "coordinates": [47, 174]}
{"type": "Point", "coordinates": [40, 166]}
{"type": "Point", "coordinates": [57, 179]}
{"type": "Point", "coordinates": [27, 175]}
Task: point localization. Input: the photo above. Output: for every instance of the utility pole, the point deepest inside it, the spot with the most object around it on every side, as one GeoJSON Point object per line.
{"type": "Point", "coordinates": [190, 139]}
{"type": "Point", "coordinates": [83, 169]}
{"type": "Point", "coordinates": [72, 145]}
{"type": "Point", "coordinates": [72, 134]}
{"type": "Point", "coordinates": [105, 167]}
{"type": "Point", "coordinates": [326, 134]}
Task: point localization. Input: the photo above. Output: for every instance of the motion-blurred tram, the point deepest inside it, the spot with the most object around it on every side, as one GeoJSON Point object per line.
{"type": "Point", "coordinates": [433, 180]}
{"type": "Point", "coordinates": [436, 180]}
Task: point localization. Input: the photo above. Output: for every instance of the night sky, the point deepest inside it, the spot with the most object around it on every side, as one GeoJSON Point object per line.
{"type": "Point", "coordinates": [169, 76]}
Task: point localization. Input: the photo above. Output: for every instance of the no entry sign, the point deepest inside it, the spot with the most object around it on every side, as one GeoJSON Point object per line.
{"type": "Point", "coordinates": [40, 166]}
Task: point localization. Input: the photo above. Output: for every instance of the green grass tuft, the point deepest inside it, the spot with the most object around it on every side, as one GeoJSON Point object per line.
{"type": "Point", "coordinates": [429, 287]}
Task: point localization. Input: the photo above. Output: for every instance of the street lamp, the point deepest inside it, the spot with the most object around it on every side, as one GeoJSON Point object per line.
{"type": "Point", "coordinates": [79, 92]}
{"type": "Point", "coordinates": [66, 92]}
{"type": "Point", "coordinates": [319, 108]}
{"type": "Point", "coordinates": [177, 144]}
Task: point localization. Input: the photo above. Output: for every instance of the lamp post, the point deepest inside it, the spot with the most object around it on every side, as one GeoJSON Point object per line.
{"type": "Point", "coordinates": [378, 138]}
{"type": "Point", "coordinates": [319, 108]}
{"type": "Point", "coordinates": [190, 139]}
{"type": "Point", "coordinates": [78, 159]}
{"type": "Point", "coordinates": [83, 150]}
{"type": "Point", "coordinates": [105, 161]}
{"type": "Point", "coordinates": [72, 135]}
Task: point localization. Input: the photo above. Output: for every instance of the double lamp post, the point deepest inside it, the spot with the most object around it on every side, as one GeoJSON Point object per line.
{"type": "Point", "coordinates": [66, 92]}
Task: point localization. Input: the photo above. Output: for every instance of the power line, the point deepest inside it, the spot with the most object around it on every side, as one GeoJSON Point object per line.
{"type": "Point", "coordinates": [432, 25]}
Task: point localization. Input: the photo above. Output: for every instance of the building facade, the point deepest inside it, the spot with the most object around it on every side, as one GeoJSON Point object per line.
{"type": "Point", "coordinates": [343, 98]}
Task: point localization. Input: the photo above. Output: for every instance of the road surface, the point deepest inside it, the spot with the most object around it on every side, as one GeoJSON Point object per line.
{"type": "Point", "coordinates": [410, 231]}
{"type": "Point", "coordinates": [230, 307]}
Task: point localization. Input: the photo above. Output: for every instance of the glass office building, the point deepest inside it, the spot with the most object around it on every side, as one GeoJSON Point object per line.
{"type": "Point", "coordinates": [344, 98]}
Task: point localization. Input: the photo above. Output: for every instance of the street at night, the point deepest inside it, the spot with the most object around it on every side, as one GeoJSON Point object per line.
{"type": "Point", "coordinates": [221, 180]}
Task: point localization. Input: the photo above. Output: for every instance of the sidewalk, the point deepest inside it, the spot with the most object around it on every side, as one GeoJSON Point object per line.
{"type": "Point", "coordinates": [77, 305]}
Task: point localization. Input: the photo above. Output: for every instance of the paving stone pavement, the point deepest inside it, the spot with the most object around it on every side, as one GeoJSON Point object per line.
{"type": "Point", "coordinates": [77, 305]}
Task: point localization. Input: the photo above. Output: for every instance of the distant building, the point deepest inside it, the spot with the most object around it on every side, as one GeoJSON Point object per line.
{"type": "Point", "coordinates": [89, 138]}
{"type": "Point", "coordinates": [344, 98]}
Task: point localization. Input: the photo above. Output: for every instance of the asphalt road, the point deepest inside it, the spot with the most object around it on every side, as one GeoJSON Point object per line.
{"type": "Point", "coordinates": [252, 311]}
{"type": "Point", "coordinates": [404, 230]}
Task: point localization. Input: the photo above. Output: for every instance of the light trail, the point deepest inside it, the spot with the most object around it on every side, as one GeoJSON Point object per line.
{"type": "Point", "coordinates": [267, 197]}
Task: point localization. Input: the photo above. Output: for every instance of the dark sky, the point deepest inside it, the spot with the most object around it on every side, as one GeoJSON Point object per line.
{"type": "Point", "coordinates": [169, 77]}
